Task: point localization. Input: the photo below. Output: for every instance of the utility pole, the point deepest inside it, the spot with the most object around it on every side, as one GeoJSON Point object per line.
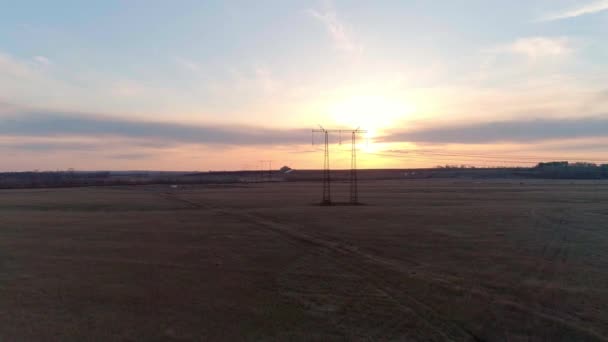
{"type": "Point", "coordinates": [354, 189]}
{"type": "Point", "coordinates": [265, 173]}
{"type": "Point", "coordinates": [326, 176]}
{"type": "Point", "coordinates": [354, 186]}
{"type": "Point", "coordinates": [270, 170]}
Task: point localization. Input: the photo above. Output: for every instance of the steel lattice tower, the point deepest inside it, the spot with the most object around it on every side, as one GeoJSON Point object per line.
{"type": "Point", "coordinates": [354, 186]}
{"type": "Point", "coordinates": [326, 175]}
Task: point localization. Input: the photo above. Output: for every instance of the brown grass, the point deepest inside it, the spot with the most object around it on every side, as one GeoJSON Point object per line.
{"type": "Point", "coordinates": [424, 260]}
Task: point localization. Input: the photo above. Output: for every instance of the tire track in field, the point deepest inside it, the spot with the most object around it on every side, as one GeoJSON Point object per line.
{"type": "Point", "coordinates": [360, 308]}
{"type": "Point", "coordinates": [410, 312]}
{"type": "Point", "coordinates": [554, 256]}
{"type": "Point", "coordinates": [373, 270]}
{"type": "Point", "coordinates": [556, 249]}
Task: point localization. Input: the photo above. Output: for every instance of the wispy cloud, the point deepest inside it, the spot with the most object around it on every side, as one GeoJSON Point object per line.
{"type": "Point", "coordinates": [33, 82]}
{"type": "Point", "coordinates": [50, 146]}
{"type": "Point", "coordinates": [537, 47]}
{"type": "Point", "coordinates": [131, 156]}
{"type": "Point", "coordinates": [188, 64]}
{"type": "Point", "coordinates": [590, 8]}
{"type": "Point", "coordinates": [337, 30]}
{"type": "Point", "coordinates": [521, 131]}
{"type": "Point", "coordinates": [13, 68]}
{"type": "Point", "coordinates": [43, 125]}
{"type": "Point", "coordinates": [264, 77]}
{"type": "Point", "coordinates": [41, 60]}
{"type": "Point", "coordinates": [52, 124]}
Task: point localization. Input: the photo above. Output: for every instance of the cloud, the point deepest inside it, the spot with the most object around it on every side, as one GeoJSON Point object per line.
{"type": "Point", "coordinates": [537, 47]}
{"type": "Point", "coordinates": [41, 60]}
{"type": "Point", "coordinates": [264, 78]}
{"type": "Point", "coordinates": [602, 95]}
{"type": "Point", "coordinates": [541, 46]}
{"type": "Point", "coordinates": [27, 82]}
{"type": "Point", "coordinates": [521, 131]}
{"type": "Point", "coordinates": [127, 88]}
{"type": "Point", "coordinates": [30, 82]}
{"type": "Point", "coordinates": [13, 68]}
{"type": "Point", "coordinates": [50, 146]}
{"type": "Point", "coordinates": [590, 8]}
{"type": "Point", "coordinates": [7, 108]}
{"type": "Point", "coordinates": [131, 156]}
{"type": "Point", "coordinates": [188, 64]}
{"type": "Point", "coordinates": [337, 30]}
{"type": "Point", "coordinates": [52, 124]}
{"type": "Point", "coordinates": [141, 133]}
{"type": "Point", "coordinates": [586, 145]}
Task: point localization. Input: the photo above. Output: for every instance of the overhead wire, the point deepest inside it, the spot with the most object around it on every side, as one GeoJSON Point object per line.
{"type": "Point", "coordinates": [493, 156]}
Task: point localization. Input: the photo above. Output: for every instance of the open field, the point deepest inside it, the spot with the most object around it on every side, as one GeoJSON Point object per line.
{"type": "Point", "coordinates": [424, 260]}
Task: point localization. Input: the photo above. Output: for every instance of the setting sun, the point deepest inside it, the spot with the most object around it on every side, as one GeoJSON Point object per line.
{"type": "Point", "coordinates": [373, 113]}
{"type": "Point", "coordinates": [318, 170]}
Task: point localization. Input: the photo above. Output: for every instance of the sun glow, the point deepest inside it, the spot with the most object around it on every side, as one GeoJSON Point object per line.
{"type": "Point", "coordinates": [369, 112]}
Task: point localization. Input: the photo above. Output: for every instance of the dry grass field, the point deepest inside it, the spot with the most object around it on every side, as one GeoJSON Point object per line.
{"type": "Point", "coordinates": [423, 260]}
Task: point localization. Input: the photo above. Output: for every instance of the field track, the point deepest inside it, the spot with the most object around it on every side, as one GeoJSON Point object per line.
{"type": "Point", "coordinates": [432, 260]}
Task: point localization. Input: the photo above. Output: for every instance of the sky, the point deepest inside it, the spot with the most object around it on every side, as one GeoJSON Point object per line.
{"type": "Point", "coordinates": [222, 85]}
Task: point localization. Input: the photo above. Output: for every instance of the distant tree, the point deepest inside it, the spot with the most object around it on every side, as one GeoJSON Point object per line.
{"type": "Point", "coordinates": [554, 164]}
{"type": "Point", "coordinates": [584, 164]}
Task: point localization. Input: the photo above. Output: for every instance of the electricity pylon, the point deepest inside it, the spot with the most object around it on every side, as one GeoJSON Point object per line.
{"type": "Point", "coordinates": [354, 187]}
{"type": "Point", "coordinates": [263, 172]}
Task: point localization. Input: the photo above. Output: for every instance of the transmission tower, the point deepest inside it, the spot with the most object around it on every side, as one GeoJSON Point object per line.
{"type": "Point", "coordinates": [354, 188]}
{"type": "Point", "coordinates": [264, 172]}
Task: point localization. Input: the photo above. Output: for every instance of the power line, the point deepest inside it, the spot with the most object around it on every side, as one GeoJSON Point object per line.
{"type": "Point", "coordinates": [451, 160]}
{"type": "Point", "coordinates": [492, 156]}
